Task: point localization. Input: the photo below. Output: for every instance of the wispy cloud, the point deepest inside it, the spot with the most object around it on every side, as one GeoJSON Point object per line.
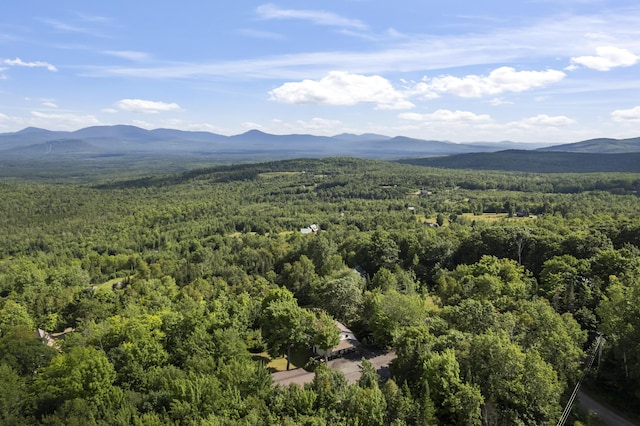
{"type": "Point", "coordinates": [74, 121]}
{"type": "Point", "coordinates": [92, 18]}
{"type": "Point", "coordinates": [61, 121]}
{"type": "Point", "coordinates": [267, 35]}
{"type": "Point", "coordinates": [316, 125]}
{"type": "Point", "coordinates": [419, 53]}
{"type": "Point", "coordinates": [66, 27]}
{"type": "Point", "coordinates": [17, 62]}
{"type": "Point", "coordinates": [445, 116]}
{"type": "Point", "coordinates": [145, 106]}
{"type": "Point", "coordinates": [49, 103]}
{"type": "Point", "coordinates": [128, 54]}
{"type": "Point", "coordinates": [317, 17]}
{"type": "Point", "coordinates": [499, 101]}
{"type": "Point", "coordinates": [143, 124]}
{"type": "Point", "coordinates": [447, 123]}
{"type": "Point", "coordinates": [544, 120]}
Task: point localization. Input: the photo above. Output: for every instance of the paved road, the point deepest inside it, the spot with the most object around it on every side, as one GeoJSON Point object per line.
{"type": "Point", "coordinates": [605, 414]}
{"type": "Point", "coordinates": [349, 365]}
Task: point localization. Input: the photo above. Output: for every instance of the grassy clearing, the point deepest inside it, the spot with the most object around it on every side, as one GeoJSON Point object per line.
{"type": "Point", "coordinates": [107, 285]}
{"type": "Point", "coordinates": [299, 358]}
{"type": "Point", "coordinates": [277, 174]}
{"type": "Point", "coordinates": [494, 217]}
{"type": "Point", "coordinates": [486, 217]}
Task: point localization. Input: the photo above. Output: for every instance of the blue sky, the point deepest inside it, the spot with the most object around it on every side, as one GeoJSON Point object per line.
{"type": "Point", "coordinates": [528, 70]}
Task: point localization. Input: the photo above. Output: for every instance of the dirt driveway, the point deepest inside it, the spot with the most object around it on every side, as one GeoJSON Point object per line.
{"type": "Point", "coordinates": [349, 365]}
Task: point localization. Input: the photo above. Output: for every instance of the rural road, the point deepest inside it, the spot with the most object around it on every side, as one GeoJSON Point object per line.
{"type": "Point", "coordinates": [606, 415]}
{"type": "Point", "coordinates": [349, 365]}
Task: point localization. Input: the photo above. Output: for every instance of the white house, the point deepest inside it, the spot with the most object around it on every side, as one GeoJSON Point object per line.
{"type": "Point", "coordinates": [309, 230]}
{"type": "Point", "coordinates": [348, 343]}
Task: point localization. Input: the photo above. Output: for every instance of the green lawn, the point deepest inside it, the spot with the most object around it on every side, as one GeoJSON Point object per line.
{"type": "Point", "coordinates": [108, 284]}
{"type": "Point", "coordinates": [299, 358]}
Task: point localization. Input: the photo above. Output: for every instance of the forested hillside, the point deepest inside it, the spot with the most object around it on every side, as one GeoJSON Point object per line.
{"type": "Point", "coordinates": [489, 286]}
{"type": "Point", "coordinates": [549, 161]}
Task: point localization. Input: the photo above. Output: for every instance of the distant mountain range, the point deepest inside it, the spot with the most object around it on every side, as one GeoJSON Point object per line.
{"type": "Point", "coordinates": [130, 142]}
{"type": "Point", "coordinates": [121, 140]}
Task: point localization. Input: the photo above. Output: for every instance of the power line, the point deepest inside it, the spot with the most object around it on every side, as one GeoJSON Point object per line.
{"type": "Point", "coordinates": [567, 409]}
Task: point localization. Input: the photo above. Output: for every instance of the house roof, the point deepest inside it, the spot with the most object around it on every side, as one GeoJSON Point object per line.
{"type": "Point", "coordinates": [343, 328]}
{"type": "Point", "coordinates": [346, 344]}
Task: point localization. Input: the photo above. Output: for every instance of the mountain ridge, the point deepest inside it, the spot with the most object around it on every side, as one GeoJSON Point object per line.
{"type": "Point", "coordinates": [128, 140]}
{"type": "Point", "coordinates": [599, 145]}
{"type": "Point", "coordinates": [535, 161]}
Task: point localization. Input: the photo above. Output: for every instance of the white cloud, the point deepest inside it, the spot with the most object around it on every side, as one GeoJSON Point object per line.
{"type": "Point", "coordinates": [446, 116]}
{"type": "Point", "coordinates": [143, 124]}
{"type": "Point", "coordinates": [319, 124]}
{"type": "Point", "coordinates": [249, 125]}
{"type": "Point", "coordinates": [500, 80]}
{"type": "Point", "coordinates": [341, 88]}
{"type": "Point", "coordinates": [626, 115]}
{"type": "Point", "coordinates": [49, 103]}
{"type": "Point", "coordinates": [128, 54]}
{"type": "Point", "coordinates": [58, 121]}
{"type": "Point", "coordinates": [17, 62]}
{"type": "Point", "coordinates": [145, 106]}
{"type": "Point", "coordinates": [318, 17]}
{"type": "Point", "coordinates": [499, 101]}
{"type": "Point", "coordinates": [543, 120]}
{"type": "Point", "coordinates": [606, 58]}
{"type": "Point", "coordinates": [203, 127]}
{"type": "Point", "coordinates": [447, 124]}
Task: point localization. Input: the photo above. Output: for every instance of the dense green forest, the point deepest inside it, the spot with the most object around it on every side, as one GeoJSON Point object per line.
{"type": "Point", "coordinates": [549, 160]}
{"type": "Point", "coordinates": [489, 286]}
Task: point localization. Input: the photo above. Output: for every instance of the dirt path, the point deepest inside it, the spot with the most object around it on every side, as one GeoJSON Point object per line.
{"type": "Point", "coordinates": [605, 414]}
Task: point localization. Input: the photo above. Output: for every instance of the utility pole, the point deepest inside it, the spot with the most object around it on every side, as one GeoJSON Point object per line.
{"type": "Point", "coordinates": [596, 351]}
